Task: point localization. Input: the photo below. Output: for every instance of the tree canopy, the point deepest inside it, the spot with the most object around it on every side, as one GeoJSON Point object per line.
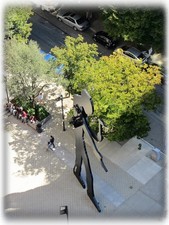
{"type": "Point", "coordinates": [139, 25]}
{"type": "Point", "coordinates": [74, 55]}
{"type": "Point", "coordinates": [25, 68]}
{"type": "Point", "coordinates": [120, 87]}
{"type": "Point", "coordinates": [16, 22]}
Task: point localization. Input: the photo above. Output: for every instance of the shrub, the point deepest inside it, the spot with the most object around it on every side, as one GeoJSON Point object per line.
{"type": "Point", "coordinates": [39, 111]}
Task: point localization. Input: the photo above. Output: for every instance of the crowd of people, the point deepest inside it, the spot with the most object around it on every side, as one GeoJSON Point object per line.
{"type": "Point", "coordinates": [20, 113]}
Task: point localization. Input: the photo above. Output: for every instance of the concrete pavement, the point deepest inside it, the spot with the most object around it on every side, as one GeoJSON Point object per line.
{"type": "Point", "coordinates": [157, 134]}
{"type": "Point", "coordinates": [39, 181]}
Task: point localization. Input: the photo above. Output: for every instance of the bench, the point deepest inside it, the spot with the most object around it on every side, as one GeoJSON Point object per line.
{"type": "Point", "coordinates": [32, 125]}
{"type": "Point", "coordinates": [38, 125]}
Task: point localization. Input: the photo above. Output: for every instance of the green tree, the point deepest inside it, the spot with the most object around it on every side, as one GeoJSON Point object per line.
{"type": "Point", "coordinates": [139, 25]}
{"type": "Point", "coordinates": [74, 55]}
{"type": "Point", "coordinates": [16, 22]}
{"type": "Point", "coordinates": [26, 70]}
{"type": "Point", "coordinates": [121, 88]}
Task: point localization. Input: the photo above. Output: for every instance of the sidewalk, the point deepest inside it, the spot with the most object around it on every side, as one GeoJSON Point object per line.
{"type": "Point", "coordinates": [133, 187]}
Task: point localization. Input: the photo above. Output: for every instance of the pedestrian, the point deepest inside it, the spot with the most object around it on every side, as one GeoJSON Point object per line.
{"type": "Point", "coordinates": [40, 98]}
{"type": "Point", "coordinates": [14, 110]}
{"type": "Point", "coordinates": [24, 116]}
{"type": "Point", "coordinates": [11, 108]}
{"type": "Point", "coordinates": [32, 119]}
{"type": "Point", "coordinates": [51, 142]}
{"type": "Point", "coordinates": [8, 105]}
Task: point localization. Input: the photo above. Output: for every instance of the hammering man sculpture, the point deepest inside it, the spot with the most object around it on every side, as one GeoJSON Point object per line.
{"type": "Point", "coordinates": [83, 107]}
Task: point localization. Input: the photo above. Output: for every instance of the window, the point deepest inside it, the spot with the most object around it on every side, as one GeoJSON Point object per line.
{"type": "Point", "coordinates": [70, 19]}
{"type": "Point", "coordinates": [130, 55]}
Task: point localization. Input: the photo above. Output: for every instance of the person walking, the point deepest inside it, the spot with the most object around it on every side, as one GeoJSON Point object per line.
{"type": "Point", "coordinates": [51, 142]}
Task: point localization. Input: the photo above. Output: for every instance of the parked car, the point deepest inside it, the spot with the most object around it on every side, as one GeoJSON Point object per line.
{"type": "Point", "coordinates": [146, 56]}
{"type": "Point", "coordinates": [48, 8]}
{"type": "Point", "coordinates": [159, 60]}
{"type": "Point", "coordinates": [137, 54]}
{"type": "Point", "coordinates": [103, 38]}
{"type": "Point", "coordinates": [60, 14]}
{"type": "Point", "coordinates": [164, 76]}
{"type": "Point", "coordinates": [73, 20]}
{"type": "Point", "coordinates": [48, 56]}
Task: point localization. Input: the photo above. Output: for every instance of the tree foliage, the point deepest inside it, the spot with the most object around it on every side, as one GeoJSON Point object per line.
{"type": "Point", "coordinates": [120, 87]}
{"type": "Point", "coordinates": [16, 22]}
{"type": "Point", "coordinates": [139, 25]}
{"type": "Point", "coordinates": [25, 68]}
{"type": "Point", "coordinates": [75, 55]}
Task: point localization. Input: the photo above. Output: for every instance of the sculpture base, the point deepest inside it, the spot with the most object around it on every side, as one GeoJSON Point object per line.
{"type": "Point", "coordinates": [79, 178]}
{"type": "Point", "coordinates": [93, 199]}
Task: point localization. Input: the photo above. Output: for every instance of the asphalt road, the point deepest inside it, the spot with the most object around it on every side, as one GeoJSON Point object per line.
{"type": "Point", "coordinates": [49, 32]}
{"type": "Point", "coordinates": [45, 34]}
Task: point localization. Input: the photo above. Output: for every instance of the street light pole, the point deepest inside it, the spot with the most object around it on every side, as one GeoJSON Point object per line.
{"type": "Point", "coordinates": [64, 210]}
{"type": "Point", "coordinates": [6, 88]}
{"type": "Point", "coordinates": [60, 98]}
{"type": "Point", "coordinates": [63, 117]}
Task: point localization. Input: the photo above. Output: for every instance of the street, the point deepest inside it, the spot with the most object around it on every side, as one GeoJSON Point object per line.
{"type": "Point", "coordinates": [49, 32]}
{"type": "Point", "coordinates": [45, 34]}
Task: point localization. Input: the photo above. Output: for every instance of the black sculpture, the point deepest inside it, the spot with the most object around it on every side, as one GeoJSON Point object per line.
{"type": "Point", "coordinates": [83, 108]}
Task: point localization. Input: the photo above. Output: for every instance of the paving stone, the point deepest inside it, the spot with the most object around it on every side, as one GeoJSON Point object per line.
{"type": "Point", "coordinates": [144, 170]}
{"type": "Point", "coordinates": [156, 188]}
{"type": "Point", "coordinates": [143, 204]}
{"type": "Point", "coordinates": [109, 193]}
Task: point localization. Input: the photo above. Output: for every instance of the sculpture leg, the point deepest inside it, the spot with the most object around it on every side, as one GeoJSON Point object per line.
{"type": "Point", "coordinates": [89, 179]}
{"type": "Point", "coordinates": [77, 171]}
{"type": "Point", "coordinates": [81, 154]}
{"type": "Point", "coordinates": [78, 161]}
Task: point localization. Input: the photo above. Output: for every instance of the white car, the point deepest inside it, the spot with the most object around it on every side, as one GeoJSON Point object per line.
{"type": "Point", "coordinates": [48, 8]}
{"type": "Point", "coordinates": [73, 20]}
{"type": "Point", "coordinates": [146, 56]}
{"type": "Point", "coordinates": [137, 54]}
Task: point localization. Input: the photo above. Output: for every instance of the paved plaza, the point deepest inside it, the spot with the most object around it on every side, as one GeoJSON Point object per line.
{"type": "Point", "coordinates": [38, 182]}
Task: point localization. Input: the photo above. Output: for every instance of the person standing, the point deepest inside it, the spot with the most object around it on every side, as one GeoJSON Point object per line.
{"type": "Point", "coordinates": [40, 98]}
{"type": "Point", "coordinates": [24, 116]}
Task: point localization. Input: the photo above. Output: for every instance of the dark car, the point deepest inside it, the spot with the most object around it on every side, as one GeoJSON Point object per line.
{"type": "Point", "coordinates": [103, 38]}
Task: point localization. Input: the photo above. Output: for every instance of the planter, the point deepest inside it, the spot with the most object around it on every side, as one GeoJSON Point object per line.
{"type": "Point", "coordinates": [39, 126]}
{"type": "Point", "coordinates": [45, 120]}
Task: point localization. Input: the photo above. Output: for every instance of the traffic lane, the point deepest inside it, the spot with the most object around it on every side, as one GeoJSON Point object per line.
{"type": "Point", "coordinates": [68, 31]}
{"type": "Point", "coordinates": [45, 34]}
{"type": "Point", "coordinates": [157, 134]}
{"type": "Point", "coordinates": [160, 89]}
